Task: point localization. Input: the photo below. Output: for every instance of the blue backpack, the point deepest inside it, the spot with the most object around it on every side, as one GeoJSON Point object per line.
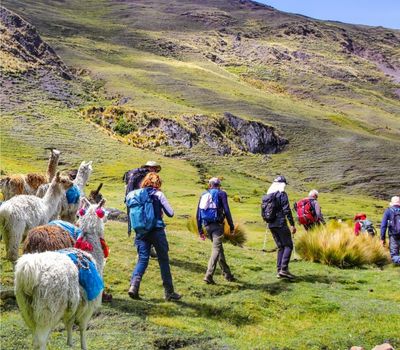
{"type": "Point", "coordinates": [394, 224]}
{"type": "Point", "coordinates": [208, 206]}
{"type": "Point", "coordinates": [141, 210]}
{"type": "Point", "coordinates": [73, 194]}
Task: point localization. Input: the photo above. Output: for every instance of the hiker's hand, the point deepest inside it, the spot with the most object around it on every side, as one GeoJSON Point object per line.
{"type": "Point", "coordinates": [232, 231]}
{"type": "Point", "coordinates": [383, 242]}
{"type": "Point", "coordinates": [202, 236]}
{"type": "Point", "coordinates": [293, 230]}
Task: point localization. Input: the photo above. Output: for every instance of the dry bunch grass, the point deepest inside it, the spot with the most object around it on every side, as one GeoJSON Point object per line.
{"type": "Point", "coordinates": [335, 244]}
{"type": "Point", "coordinates": [238, 238]}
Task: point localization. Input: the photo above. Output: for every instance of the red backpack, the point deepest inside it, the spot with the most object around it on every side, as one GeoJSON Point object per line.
{"type": "Point", "coordinates": [305, 212]}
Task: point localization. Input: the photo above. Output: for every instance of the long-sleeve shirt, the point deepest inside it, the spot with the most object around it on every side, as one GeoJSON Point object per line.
{"type": "Point", "coordinates": [161, 205]}
{"type": "Point", "coordinates": [385, 221]}
{"type": "Point", "coordinates": [222, 208]}
{"type": "Point", "coordinates": [283, 211]}
{"type": "Point", "coordinates": [317, 210]}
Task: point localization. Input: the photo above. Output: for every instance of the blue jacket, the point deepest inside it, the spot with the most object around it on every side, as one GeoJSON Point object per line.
{"type": "Point", "coordinates": [385, 222]}
{"type": "Point", "coordinates": [283, 211]}
{"type": "Point", "coordinates": [223, 208]}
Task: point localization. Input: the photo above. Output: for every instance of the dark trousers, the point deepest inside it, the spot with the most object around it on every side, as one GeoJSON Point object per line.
{"type": "Point", "coordinates": [283, 240]}
{"type": "Point", "coordinates": [215, 232]}
{"type": "Point", "coordinates": [158, 239]}
{"type": "Point", "coordinates": [394, 247]}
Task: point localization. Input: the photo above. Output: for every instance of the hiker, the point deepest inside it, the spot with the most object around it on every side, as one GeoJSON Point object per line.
{"type": "Point", "coordinates": [212, 209]}
{"type": "Point", "coordinates": [147, 208]}
{"type": "Point", "coordinates": [363, 225]}
{"type": "Point", "coordinates": [133, 179]}
{"type": "Point", "coordinates": [309, 212]}
{"type": "Point", "coordinates": [275, 209]}
{"type": "Point", "coordinates": [391, 221]}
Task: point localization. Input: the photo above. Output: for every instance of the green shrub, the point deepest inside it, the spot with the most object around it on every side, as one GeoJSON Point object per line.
{"type": "Point", "coordinates": [123, 128]}
{"type": "Point", "coordinates": [335, 244]}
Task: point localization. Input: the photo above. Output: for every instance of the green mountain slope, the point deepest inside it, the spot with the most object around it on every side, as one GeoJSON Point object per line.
{"type": "Point", "coordinates": [313, 80]}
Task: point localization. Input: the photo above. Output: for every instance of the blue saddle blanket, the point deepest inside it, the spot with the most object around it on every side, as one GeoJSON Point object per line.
{"type": "Point", "coordinates": [89, 277]}
{"type": "Point", "coordinates": [73, 230]}
{"type": "Point", "coordinates": [73, 194]}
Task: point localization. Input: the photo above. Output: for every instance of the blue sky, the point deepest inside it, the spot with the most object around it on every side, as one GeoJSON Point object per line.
{"type": "Point", "coordinates": [384, 13]}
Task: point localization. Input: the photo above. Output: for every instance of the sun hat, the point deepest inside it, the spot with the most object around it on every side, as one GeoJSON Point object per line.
{"type": "Point", "coordinates": [281, 178]}
{"type": "Point", "coordinates": [360, 216]}
{"type": "Point", "coordinates": [152, 164]}
{"type": "Point", "coordinates": [214, 181]}
{"type": "Point", "coordinates": [395, 201]}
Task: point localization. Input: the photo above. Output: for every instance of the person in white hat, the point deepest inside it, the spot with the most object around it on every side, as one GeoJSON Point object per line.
{"type": "Point", "coordinates": [391, 223]}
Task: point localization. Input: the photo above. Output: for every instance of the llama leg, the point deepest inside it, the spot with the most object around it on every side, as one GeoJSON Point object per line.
{"type": "Point", "coordinates": [14, 240]}
{"type": "Point", "coordinates": [83, 323]}
{"type": "Point", "coordinates": [69, 325]}
{"type": "Point", "coordinates": [40, 339]}
{"type": "Point", "coordinates": [53, 163]}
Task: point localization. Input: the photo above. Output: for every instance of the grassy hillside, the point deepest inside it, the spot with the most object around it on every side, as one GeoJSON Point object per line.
{"type": "Point", "coordinates": [313, 80]}
{"type": "Point", "coordinates": [152, 57]}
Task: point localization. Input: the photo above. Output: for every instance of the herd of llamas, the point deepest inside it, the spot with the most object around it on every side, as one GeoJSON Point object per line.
{"type": "Point", "coordinates": [37, 209]}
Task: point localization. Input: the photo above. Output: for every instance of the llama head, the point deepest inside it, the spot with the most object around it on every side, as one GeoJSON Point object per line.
{"type": "Point", "coordinates": [63, 182]}
{"type": "Point", "coordinates": [92, 217]}
{"type": "Point", "coordinates": [84, 171]}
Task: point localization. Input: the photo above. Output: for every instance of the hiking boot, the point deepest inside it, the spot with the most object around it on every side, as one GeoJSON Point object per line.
{"type": "Point", "coordinates": [278, 275]}
{"type": "Point", "coordinates": [286, 274]}
{"type": "Point", "coordinates": [134, 288]}
{"type": "Point", "coordinates": [172, 296]}
{"type": "Point", "coordinates": [209, 280]}
{"type": "Point", "coordinates": [231, 278]}
{"type": "Point", "coordinates": [106, 298]}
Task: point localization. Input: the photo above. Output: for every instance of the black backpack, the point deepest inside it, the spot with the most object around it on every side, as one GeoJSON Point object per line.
{"type": "Point", "coordinates": [269, 207]}
{"type": "Point", "coordinates": [133, 178]}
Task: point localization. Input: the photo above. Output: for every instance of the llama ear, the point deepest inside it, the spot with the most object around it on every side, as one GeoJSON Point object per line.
{"type": "Point", "coordinates": [84, 203]}
{"type": "Point", "coordinates": [101, 203]}
{"type": "Point", "coordinates": [89, 162]}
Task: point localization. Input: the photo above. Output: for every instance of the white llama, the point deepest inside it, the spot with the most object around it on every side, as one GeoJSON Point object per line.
{"type": "Point", "coordinates": [47, 286]}
{"type": "Point", "coordinates": [21, 213]}
{"type": "Point", "coordinates": [66, 211]}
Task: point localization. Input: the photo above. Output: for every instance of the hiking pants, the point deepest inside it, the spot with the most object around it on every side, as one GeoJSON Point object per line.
{"type": "Point", "coordinates": [158, 239]}
{"type": "Point", "coordinates": [283, 240]}
{"type": "Point", "coordinates": [215, 232]}
{"type": "Point", "coordinates": [394, 247]}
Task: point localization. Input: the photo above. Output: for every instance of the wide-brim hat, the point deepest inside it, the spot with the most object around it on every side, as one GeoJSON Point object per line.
{"type": "Point", "coordinates": [152, 164]}
{"type": "Point", "coordinates": [395, 201]}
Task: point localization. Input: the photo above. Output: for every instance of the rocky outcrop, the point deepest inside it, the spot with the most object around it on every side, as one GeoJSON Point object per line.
{"type": "Point", "coordinates": [22, 44]}
{"type": "Point", "coordinates": [255, 137]}
{"type": "Point", "coordinates": [226, 134]}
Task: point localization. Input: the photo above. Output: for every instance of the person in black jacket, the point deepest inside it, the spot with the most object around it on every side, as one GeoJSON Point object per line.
{"type": "Point", "coordinates": [279, 227]}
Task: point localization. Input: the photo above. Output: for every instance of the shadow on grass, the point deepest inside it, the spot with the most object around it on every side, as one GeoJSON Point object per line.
{"type": "Point", "coordinates": [188, 265]}
{"type": "Point", "coordinates": [273, 288]}
{"type": "Point", "coordinates": [148, 307]}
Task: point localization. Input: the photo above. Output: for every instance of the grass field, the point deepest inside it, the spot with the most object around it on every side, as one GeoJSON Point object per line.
{"type": "Point", "coordinates": [349, 137]}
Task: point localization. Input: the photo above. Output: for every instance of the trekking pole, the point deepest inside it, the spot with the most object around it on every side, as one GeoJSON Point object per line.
{"type": "Point", "coordinates": [294, 249]}
{"type": "Point", "coordinates": [265, 241]}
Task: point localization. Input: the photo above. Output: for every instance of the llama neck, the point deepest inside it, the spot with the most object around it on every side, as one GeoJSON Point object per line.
{"type": "Point", "coordinates": [52, 198]}
{"type": "Point", "coordinates": [81, 180]}
{"type": "Point", "coordinates": [97, 251]}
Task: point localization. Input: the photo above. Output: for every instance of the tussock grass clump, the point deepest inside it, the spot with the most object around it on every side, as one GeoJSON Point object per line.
{"type": "Point", "coordinates": [238, 238]}
{"type": "Point", "coordinates": [335, 244]}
